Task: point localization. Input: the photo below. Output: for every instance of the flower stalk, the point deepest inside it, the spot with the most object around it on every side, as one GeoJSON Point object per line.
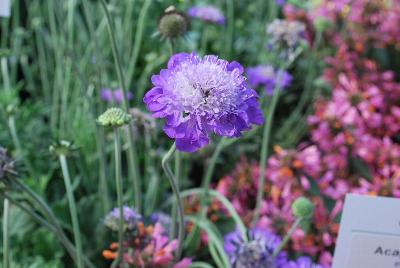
{"type": "Point", "coordinates": [132, 157]}
{"type": "Point", "coordinates": [175, 189]}
{"type": "Point", "coordinates": [6, 235]}
{"type": "Point", "coordinates": [72, 209]}
{"type": "Point", "coordinates": [118, 182]}
{"type": "Point", "coordinates": [289, 234]}
{"type": "Point", "coordinates": [269, 114]}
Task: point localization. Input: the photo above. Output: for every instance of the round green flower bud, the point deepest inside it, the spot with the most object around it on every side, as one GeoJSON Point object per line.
{"type": "Point", "coordinates": [11, 110]}
{"type": "Point", "coordinates": [303, 208]}
{"type": "Point", "coordinates": [114, 117]}
{"type": "Point", "coordinates": [173, 23]}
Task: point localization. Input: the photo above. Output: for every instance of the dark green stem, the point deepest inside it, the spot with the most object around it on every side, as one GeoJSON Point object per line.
{"type": "Point", "coordinates": [118, 182]}
{"type": "Point", "coordinates": [287, 236]}
{"type": "Point", "coordinates": [230, 30]}
{"type": "Point", "coordinates": [138, 40]}
{"type": "Point", "coordinates": [72, 209]}
{"type": "Point", "coordinates": [17, 144]}
{"type": "Point", "coordinates": [6, 235]}
{"type": "Point", "coordinates": [175, 189]}
{"type": "Point", "coordinates": [269, 114]}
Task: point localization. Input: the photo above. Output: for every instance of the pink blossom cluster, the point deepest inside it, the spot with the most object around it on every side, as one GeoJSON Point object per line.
{"type": "Point", "coordinates": [353, 146]}
{"type": "Point", "coordinates": [367, 22]}
{"type": "Point", "coordinates": [287, 178]}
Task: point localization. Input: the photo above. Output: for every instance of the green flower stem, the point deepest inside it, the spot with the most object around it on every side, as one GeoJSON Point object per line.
{"type": "Point", "coordinates": [6, 235]}
{"type": "Point", "coordinates": [304, 98]}
{"type": "Point", "coordinates": [103, 190]}
{"type": "Point", "coordinates": [204, 39]}
{"type": "Point", "coordinates": [5, 74]}
{"type": "Point", "coordinates": [175, 189]}
{"type": "Point", "coordinates": [273, 10]}
{"type": "Point", "coordinates": [132, 157]}
{"type": "Point", "coordinates": [52, 218]}
{"type": "Point", "coordinates": [230, 30]}
{"type": "Point", "coordinates": [128, 20]}
{"type": "Point", "coordinates": [138, 40]}
{"type": "Point", "coordinates": [210, 170]}
{"type": "Point", "coordinates": [17, 144]}
{"type": "Point", "coordinates": [72, 209]}
{"type": "Point", "coordinates": [152, 174]}
{"type": "Point", "coordinates": [224, 142]}
{"type": "Point", "coordinates": [118, 182]}
{"type": "Point", "coordinates": [178, 174]}
{"type": "Point", "coordinates": [269, 114]}
{"type": "Point", "coordinates": [287, 236]}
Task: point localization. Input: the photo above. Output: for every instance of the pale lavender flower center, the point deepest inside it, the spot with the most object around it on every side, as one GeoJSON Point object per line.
{"type": "Point", "coordinates": [206, 87]}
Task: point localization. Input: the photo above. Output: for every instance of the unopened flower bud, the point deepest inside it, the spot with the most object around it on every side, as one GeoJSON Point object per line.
{"type": "Point", "coordinates": [173, 23]}
{"type": "Point", "coordinates": [11, 110]}
{"type": "Point", "coordinates": [114, 117]}
{"type": "Point", "coordinates": [62, 147]}
{"type": "Point", "coordinates": [303, 208]}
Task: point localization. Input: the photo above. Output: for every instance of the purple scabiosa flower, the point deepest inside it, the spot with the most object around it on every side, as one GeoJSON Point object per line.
{"type": "Point", "coordinates": [208, 14]}
{"type": "Point", "coordinates": [131, 218]}
{"type": "Point", "coordinates": [116, 95]}
{"type": "Point", "coordinates": [280, 2]}
{"type": "Point", "coordinates": [107, 94]}
{"type": "Point", "coordinates": [198, 96]}
{"type": "Point", "coordinates": [302, 262]}
{"type": "Point", "coordinates": [267, 76]}
{"type": "Point", "coordinates": [257, 252]}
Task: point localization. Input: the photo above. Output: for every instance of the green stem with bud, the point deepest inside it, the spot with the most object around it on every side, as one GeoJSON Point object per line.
{"type": "Point", "coordinates": [132, 157]}
{"type": "Point", "coordinates": [175, 190]}
{"type": "Point", "coordinates": [72, 209]}
{"type": "Point", "coordinates": [118, 182]}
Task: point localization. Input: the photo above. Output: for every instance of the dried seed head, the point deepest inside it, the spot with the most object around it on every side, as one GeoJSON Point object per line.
{"type": "Point", "coordinates": [173, 23]}
{"type": "Point", "coordinates": [62, 147]}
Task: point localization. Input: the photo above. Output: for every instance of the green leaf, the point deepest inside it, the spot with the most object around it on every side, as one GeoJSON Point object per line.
{"type": "Point", "coordinates": [358, 166]}
{"type": "Point", "coordinates": [215, 240]}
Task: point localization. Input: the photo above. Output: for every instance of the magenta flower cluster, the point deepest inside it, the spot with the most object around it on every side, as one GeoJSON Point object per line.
{"type": "Point", "coordinates": [353, 145]}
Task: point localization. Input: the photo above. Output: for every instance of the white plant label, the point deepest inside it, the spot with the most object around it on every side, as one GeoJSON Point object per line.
{"type": "Point", "coordinates": [5, 8]}
{"type": "Point", "coordinates": [369, 234]}
{"type": "Point", "coordinates": [374, 250]}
